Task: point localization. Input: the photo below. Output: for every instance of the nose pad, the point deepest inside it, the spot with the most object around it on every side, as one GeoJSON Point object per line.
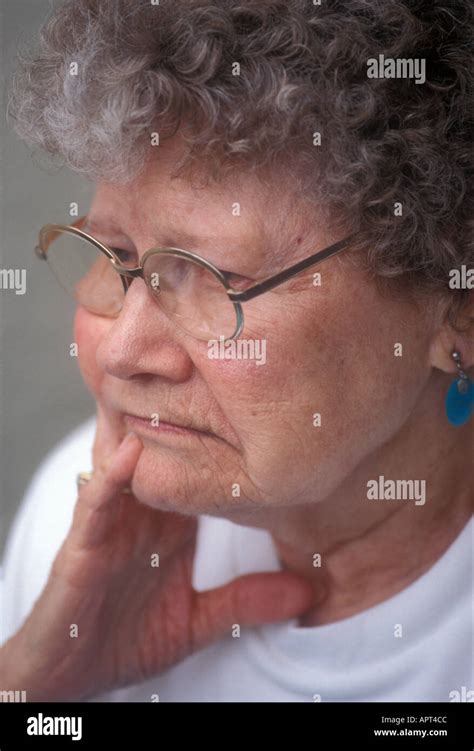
{"type": "Point", "coordinates": [126, 282]}
{"type": "Point", "coordinates": [153, 286]}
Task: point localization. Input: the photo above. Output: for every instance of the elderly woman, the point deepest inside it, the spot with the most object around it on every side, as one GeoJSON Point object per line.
{"type": "Point", "coordinates": [275, 318]}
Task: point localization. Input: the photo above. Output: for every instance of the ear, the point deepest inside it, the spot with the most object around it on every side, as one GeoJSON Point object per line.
{"type": "Point", "coordinates": [448, 339]}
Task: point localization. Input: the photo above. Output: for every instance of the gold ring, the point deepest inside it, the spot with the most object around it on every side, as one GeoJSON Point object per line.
{"type": "Point", "coordinates": [82, 478]}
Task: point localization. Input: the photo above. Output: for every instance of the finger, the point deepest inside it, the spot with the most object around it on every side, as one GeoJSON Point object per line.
{"type": "Point", "coordinates": [98, 502]}
{"type": "Point", "coordinates": [250, 601]}
{"type": "Point", "coordinates": [107, 439]}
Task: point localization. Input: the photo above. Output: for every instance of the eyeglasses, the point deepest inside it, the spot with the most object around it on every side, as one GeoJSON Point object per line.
{"type": "Point", "coordinates": [190, 290]}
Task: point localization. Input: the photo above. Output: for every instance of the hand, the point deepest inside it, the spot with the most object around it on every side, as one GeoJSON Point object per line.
{"type": "Point", "coordinates": [133, 619]}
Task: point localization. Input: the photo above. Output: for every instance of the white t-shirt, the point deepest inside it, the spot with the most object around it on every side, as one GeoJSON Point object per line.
{"type": "Point", "coordinates": [360, 658]}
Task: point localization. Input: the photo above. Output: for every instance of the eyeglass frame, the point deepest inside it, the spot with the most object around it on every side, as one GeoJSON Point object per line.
{"type": "Point", "coordinates": [236, 297]}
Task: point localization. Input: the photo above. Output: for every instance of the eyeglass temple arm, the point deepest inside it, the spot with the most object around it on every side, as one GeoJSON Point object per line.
{"type": "Point", "coordinates": [283, 276]}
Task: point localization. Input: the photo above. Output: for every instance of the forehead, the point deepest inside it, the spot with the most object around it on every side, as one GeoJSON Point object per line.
{"type": "Point", "coordinates": [241, 213]}
{"type": "Point", "coordinates": [158, 205]}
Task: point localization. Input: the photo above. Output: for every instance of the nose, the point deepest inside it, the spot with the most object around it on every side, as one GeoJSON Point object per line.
{"type": "Point", "coordinates": [142, 341]}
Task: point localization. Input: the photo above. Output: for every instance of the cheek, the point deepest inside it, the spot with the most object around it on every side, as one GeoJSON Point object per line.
{"type": "Point", "coordinates": [329, 393]}
{"type": "Point", "coordinates": [88, 332]}
{"type": "Point", "coordinates": [264, 399]}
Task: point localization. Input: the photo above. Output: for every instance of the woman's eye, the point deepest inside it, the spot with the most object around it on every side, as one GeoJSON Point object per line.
{"type": "Point", "coordinates": [126, 257]}
{"type": "Point", "coordinates": [237, 280]}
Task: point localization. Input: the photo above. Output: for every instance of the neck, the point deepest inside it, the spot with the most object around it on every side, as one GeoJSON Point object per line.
{"type": "Point", "coordinates": [371, 548]}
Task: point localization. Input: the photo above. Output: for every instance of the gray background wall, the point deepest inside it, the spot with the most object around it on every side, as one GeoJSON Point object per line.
{"type": "Point", "coordinates": [42, 396]}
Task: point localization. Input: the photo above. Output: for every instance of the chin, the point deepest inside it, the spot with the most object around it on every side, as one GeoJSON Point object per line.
{"type": "Point", "coordinates": [168, 482]}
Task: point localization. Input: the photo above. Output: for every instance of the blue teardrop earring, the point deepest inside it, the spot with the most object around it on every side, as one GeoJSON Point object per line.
{"type": "Point", "coordinates": [460, 396]}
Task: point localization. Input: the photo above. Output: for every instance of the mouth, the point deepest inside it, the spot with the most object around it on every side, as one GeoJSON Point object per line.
{"type": "Point", "coordinates": [158, 427]}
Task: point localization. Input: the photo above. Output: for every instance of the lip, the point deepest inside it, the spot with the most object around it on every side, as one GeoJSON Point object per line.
{"type": "Point", "coordinates": [143, 424]}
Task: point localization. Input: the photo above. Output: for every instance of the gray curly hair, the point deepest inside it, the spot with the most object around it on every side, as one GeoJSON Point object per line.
{"type": "Point", "coordinates": [301, 69]}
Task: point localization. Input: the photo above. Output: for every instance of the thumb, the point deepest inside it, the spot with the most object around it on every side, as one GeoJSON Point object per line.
{"type": "Point", "coordinates": [249, 601]}
{"type": "Point", "coordinates": [108, 436]}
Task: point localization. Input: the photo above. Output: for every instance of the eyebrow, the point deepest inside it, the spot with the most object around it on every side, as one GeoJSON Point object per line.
{"type": "Point", "coordinates": [171, 237]}
{"type": "Point", "coordinates": [92, 226]}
